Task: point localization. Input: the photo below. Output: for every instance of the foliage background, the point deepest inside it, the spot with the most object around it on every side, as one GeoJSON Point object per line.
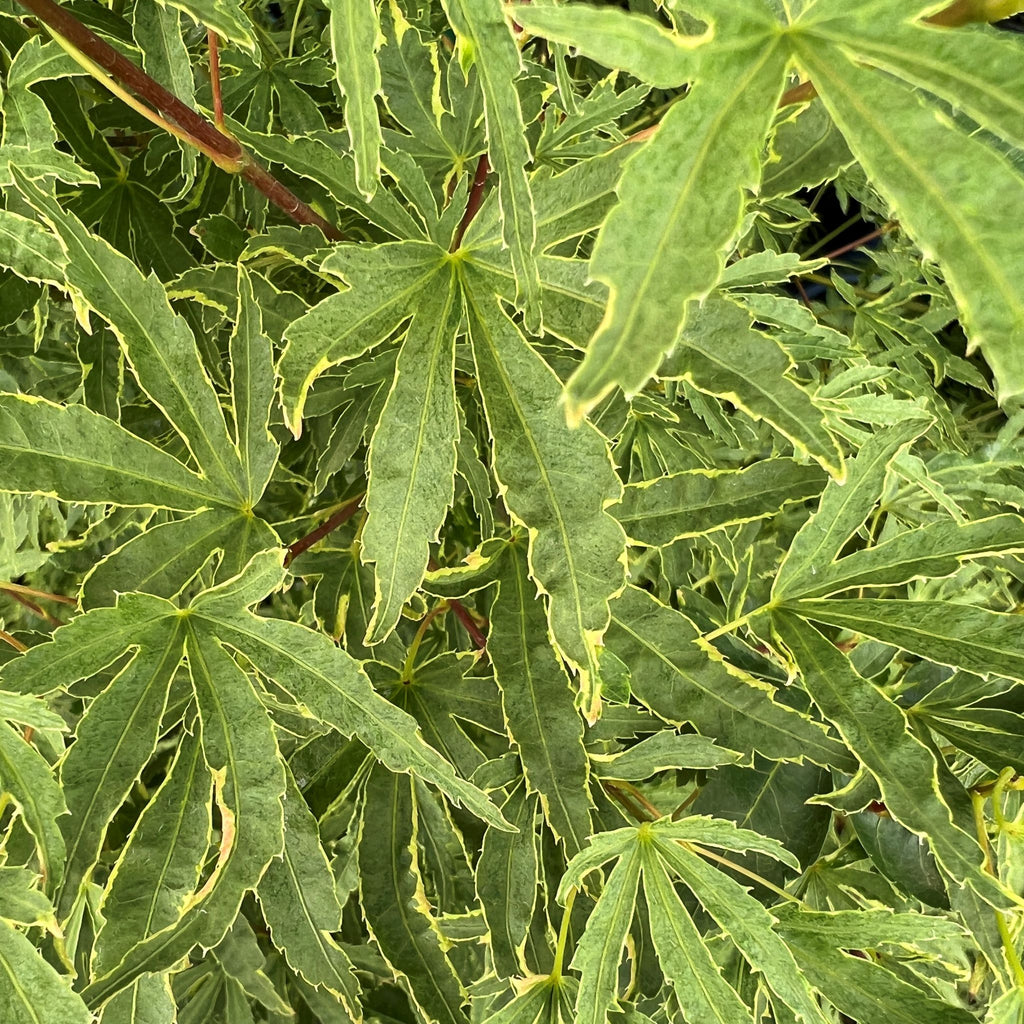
{"type": "Point", "coordinates": [548, 577]}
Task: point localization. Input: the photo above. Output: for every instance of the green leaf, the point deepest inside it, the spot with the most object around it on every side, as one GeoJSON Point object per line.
{"type": "Point", "coordinates": [325, 680]}
{"type": "Point", "coordinates": [241, 753]}
{"type": "Point", "coordinates": [937, 549]}
{"type": "Point", "coordinates": [28, 779]}
{"type": "Point", "coordinates": [876, 729]}
{"type": "Point", "coordinates": [114, 740]}
{"type": "Point", "coordinates": [223, 16]}
{"type": "Point", "coordinates": [412, 456]}
{"type": "Point", "coordinates": [21, 902]}
{"type": "Point", "coordinates": [318, 159]}
{"type": "Point", "coordinates": [749, 925]}
{"type": "Point", "coordinates": [485, 39]}
{"type": "Point", "coordinates": [506, 882]}
{"type": "Point", "coordinates": [689, 504]}
{"type": "Point", "coordinates": [704, 995]}
{"type": "Point", "coordinates": [537, 701]}
{"type": "Point", "coordinates": [617, 39]}
{"type": "Point", "coordinates": [576, 547]}
{"type": "Point", "coordinates": [383, 283]}
{"type": "Point", "coordinates": [962, 636]}
{"type": "Point", "coordinates": [599, 952]}
{"type": "Point", "coordinates": [79, 455]}
{"type": "Point", "coordinates": [860, 985]}
{"type": "Point", "coordinates": [661, 752]}
{"type": "Point", "coordinates": [163, 558]}
{"type": "Point", "coordinates": [252, 393]}
{"type": "Point", "coordinates": [843, 509]}
{"type": "Point", "coordinates": [689, 177]}
{"type": "Point", "coordinates": [391, 893]}
{"type": "Point", "coordinates": [720, 354]}
{"type": "Point", "coordinates": [355, 39]}
{"type": "Point", "coordinates": [681, 682]}
{"type": "Point", "coordinates": [928, 169]}
{"type": "Point", "coordinates": [159, 344]}
{"type": "Point", "coordinates": [174, 833]}
{"type": "Point", "coordinates": [28, 249]}
{"type": "Point", "coordinates": [30, 989]}
{"type": "Point", "coordinates": [301, 907]}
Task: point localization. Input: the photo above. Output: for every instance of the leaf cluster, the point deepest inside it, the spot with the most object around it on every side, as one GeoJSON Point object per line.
{"type": "Point", "coordinates": [479, 544]}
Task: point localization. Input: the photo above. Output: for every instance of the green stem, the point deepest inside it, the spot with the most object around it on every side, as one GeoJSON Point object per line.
{"type": "Point", "coordinates": [563, 936]}
{"type": "Point", "coordinates": [1005, 777]}
{"type": "Point", "coordinates": [730, 627]}
{"type": "Point", "coordinates": [295, 25]}
{"type": "Point", "coordinates": [1009, 946]}
{"type": "Point", "coordinates": [421, 632]}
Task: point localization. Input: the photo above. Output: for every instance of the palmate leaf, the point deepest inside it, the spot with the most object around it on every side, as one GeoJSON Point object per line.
{"type": "Point", "coordinates": [658, 852]}
{"type": "Point", "coordinates": [385, 282]}
{"type": "Point", "coordinates": [238, 742]}
{"type": "Point", "coordinates": [159, 345]}
{"type": "Point", "coordinates": [692, 172]}
{"type": "Point", "coordinates": [876, 729]}
{"type": "Point", "coordinates": [78, 455]}
{"type": "Point", "coordinates": [940, 201]}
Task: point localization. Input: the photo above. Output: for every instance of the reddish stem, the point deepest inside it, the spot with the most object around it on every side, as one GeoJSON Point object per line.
{"type": "Point", "coordinates": [798, 94]}
{"type": "Point", "coordinates": [869, 237]}
{"type": "Point", "coordinates": [284, 199]}
{"type": "Point", "coordinates": [476, 197]}
{"type": "Point", "coordinates": [462, 614]}
{"type": "Point", "coordinates": [221, 148]}
{"type": "Point", "coordinates": [147, 88]}
{"type": "Point", "coordinates": [305, 543]}
{"type": "Point", "coordinates": [213, 43]}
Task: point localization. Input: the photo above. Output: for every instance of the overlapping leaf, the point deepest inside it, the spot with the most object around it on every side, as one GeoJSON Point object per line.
{"type": "Point", "coordinates": [238, 742]}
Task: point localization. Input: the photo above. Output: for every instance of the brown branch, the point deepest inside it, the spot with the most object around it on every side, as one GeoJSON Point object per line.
{"type": "Point", "coordinates": [13, 641]}
{"type": "Point", "coordinates": [305, 543]}
{"type": "Point", "coordinates": [17, 588]}
{"type": "Point", "coordinates": [205, 136]}
{"type": "Point", "coordinates": [870, 237]}
{"type": "Point", "coordinates": [476, 197]}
